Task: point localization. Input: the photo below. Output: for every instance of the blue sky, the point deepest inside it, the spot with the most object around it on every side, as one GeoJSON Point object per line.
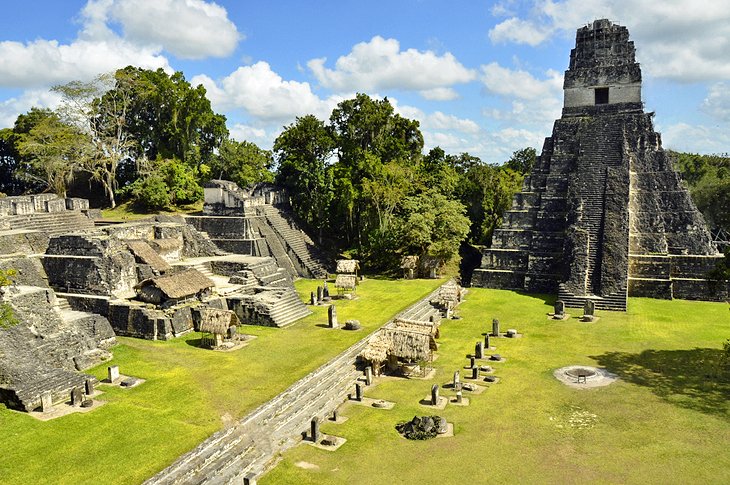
{"type": "Point", "coordinates": [483, 77]}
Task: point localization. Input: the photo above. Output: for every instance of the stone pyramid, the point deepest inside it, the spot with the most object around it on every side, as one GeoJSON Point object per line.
{"type": "Point", "coordinates": [602, 215]}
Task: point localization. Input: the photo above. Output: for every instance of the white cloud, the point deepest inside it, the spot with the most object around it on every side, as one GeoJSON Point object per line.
{"type": "Point", "coordinates": [380, 64]}
{"type": "Point", "coordinates": [262, 137]}
{"type": "Point", "coordinates": [717, 102]}
{"type": "Point", "coordinates": [685, 40]}
{"type": "Point", "coordinates": [39, 98]}
{"type": "Point", "coordinates": [439, 94]}
{"type": "Point", "coordinates": [520, 84]}
{"type": "Point", "coordinates": [518, 31]}
{"type": "Point", "coordinates": [189, 29]}
{"type": "Point", "coordinates": [441, 121]}
{"type": "Point", "coordinates": [696, 138]}
{"type": "Point", "coordinates": [46, 62]}
{"type": "Point", "coordinates": [263, 94]}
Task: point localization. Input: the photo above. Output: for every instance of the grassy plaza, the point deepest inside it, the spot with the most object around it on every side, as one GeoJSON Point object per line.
{"type": "Point", "coordinates": [664, 421]}
{"type": "Point", "coordinates": [189, 393]}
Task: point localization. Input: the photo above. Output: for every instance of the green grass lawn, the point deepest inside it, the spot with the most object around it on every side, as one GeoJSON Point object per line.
{"type": "Point", "coordinates": [189, 394]}
{"type": "Point", "coordinates": [127, 211]}
{"type": "Point", "coordinates": [663, 422]}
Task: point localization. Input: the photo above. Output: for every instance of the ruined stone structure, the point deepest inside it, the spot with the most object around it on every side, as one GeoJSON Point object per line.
{"type": "Point", "coordinates": [602, 215]}
{"type": "Point", "coordinates": [256, 222]}
{"type": "Point", "coordinates": [45, 342]}
{"type": "Point", "coordinates": [150, 278]}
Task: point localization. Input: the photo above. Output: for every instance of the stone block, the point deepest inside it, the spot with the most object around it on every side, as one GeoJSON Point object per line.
{"type": "Point", "coordinates": [113, 373]}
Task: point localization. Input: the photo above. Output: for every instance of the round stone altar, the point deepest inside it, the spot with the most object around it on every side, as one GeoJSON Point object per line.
{"type": "Point", "coordinates": [583, 376]}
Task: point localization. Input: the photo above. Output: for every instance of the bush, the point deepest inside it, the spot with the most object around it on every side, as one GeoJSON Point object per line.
{"type": "Point", "coordinates": [171, 183]}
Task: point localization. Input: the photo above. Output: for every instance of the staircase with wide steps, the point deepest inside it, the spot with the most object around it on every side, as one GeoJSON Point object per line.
{"type": "Point", "coordinates": [51, 223]}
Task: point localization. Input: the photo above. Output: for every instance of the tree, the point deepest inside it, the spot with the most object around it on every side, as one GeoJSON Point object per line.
{"type": "Point", "coordinates": [522, 160]}
{"type": "Point", "coordinates": [168, 117]}
{"type": "Point", "coordinates": [303, 150]}
{"type": "Point", "coordinates": [439, 171]}
{"type": "Point", "coordinates": [433, 225]}
{"type": "Point", "coordinates": [17, 175]}
{"type": "Point", "coordinates": [368, 135]}
{"type": "Point", "coordinates": [169, 183]}
{"type": "Point", "coordinates": [487, 191]}
{"type": "Point", "coordinates": [53, 149]}
{"type": "Point", "coordinates": [104, 122]}
{"type": "Point", "coordinates": [242, 162]}
{"type": "Point", "coordinates": [708, 179]}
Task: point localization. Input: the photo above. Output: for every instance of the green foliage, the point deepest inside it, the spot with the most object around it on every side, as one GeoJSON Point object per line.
{"type": "Point", "coordinates": [54, 149]}
{"type": "Point", "coordinates": [708, 178]}
{"type": "Point", "coordinates": [6, 277]}
{"type": "Point", "coordinates": [171, 183]}
{"type": "Point", "coordinates": [166, 116]}
{"type": "Point", "coordinates": [303, 150]}
{"type": "Point", "coordinates": [487, 191]}
{"type": "Point", "coordinates": [433, 225]}
{"type": "Point", "coordinates": [7, 317]}
{"type": "Point", "coordinates": [523, 160]}
{"type": "Point", "coordinates": [242, 162]}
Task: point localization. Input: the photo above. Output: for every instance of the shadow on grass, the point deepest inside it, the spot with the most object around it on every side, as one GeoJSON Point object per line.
{"type": "Point", "coordinates": [686, 378]}
{"type": "Point", "coordinates": [195, 342]}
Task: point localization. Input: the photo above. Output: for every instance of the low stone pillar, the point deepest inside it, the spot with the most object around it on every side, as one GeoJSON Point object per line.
{"type": "Point", "coordinates": [475, 373]}
{"type": "Point", "coordinates": [495, 327]}
{"type": "Point", "coordinates": [486, 341]}
{"type": "Point", "coordinates": [312, 298]}
{"type": "Point", "coordinates": [320, 295]}
{"type": "Point", "coordinates": [325, 291]}
{"type": "Point", "coordinates": [77, 396]}
{"type": "Point", "coordinates": [358, 392]}
{"type": "Point", "coordinates": [249, 479]}
{"type": "Point", "coordinates": [89, 385]}
{"type": "Point", "coordinates": [435, 395]}
{"type": "Point", "coordinates": [113, 373]}
{"type": "Point", "coordinates": [472, 362]}
{"type": "Point", "coordinates": [334, 416]}
{"type": "Point", "coordinates": [332, 317]}
{"type": "Point", "coordinates": [315, 429]}
{"type": "Point", "coordinates": [589, 310]}
{"type": "Point", "coordinates": [559, 308]}
{"type": "Point", "coordinates": [46, 402]}
{"type": "Point", "coordinates": [457, 380]}
{"type": "Point", "coordinates": [368, 375]}
{"type": "Point", "coordinates": [479, 350]}
{"type": "Point", "coordinates": [459, 397]}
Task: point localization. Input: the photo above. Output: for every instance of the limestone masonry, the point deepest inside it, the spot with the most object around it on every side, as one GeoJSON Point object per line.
{"type": "Point", "coordinates": [603, 215]}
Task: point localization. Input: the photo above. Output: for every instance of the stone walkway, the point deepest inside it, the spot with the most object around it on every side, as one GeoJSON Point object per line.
{"type": "Point", "coordinates": [250, 447]}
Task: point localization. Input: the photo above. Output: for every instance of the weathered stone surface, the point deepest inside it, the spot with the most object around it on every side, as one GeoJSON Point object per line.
{"type": "Point", "coordinates": [422, 428]}
{"type": "Point", "coordinates": [603, 214]}
{"type": "Point", "coordinates": [352, 325]}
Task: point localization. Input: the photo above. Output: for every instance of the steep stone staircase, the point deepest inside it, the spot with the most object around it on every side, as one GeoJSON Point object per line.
{"type": "Point", "coordinates": [297, 241]}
